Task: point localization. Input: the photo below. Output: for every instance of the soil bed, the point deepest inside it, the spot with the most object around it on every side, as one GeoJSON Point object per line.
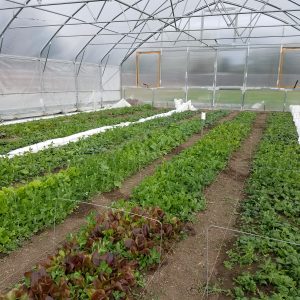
{"type": "Point", "coordinates": [184, 276]}
{"type": "Point", "coordinates": [14, 265]}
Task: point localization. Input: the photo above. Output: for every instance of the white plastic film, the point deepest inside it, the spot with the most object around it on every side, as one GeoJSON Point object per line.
{"type": "Point", "coordinates": [181, 107]}
{"type": "Point", "coordinates": [295, 110]}
{"type": "Point", "coordinates": [30, 88]}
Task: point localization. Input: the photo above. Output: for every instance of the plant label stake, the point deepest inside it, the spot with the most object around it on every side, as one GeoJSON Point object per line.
{"type": "Point", "coordinates": [203, 118]}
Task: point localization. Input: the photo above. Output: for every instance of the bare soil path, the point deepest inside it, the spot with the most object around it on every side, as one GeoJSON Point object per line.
{"type": "Point", "coordinates": [183, 275]}
{"type": "Point", "coordinates": [13, 266]}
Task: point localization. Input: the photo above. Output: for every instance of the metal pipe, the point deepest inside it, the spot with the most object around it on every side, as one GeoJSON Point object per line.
{"type": "Point", "coordinates": [76, 86]}
{"type": "Point", "coordinates": [206, 39]}
{"type": "Point", "coordinates": [101, 85]}
{"type": "Point", "coordinates": [50, 4]}
{"type": "Point", "coordinates": [47, 56]}
{"type": "Point", "coordinates": [99, 31]}
{"type": "Point", "coordinates": [160, 29]}
{"type": "Point", "coordinates": [176, 17]}
{"type": "Point", "coordinates": [245, 77]}
{"type": "Point", "coordinates": [168, 31]}
{"type": "Point", "coordinates": [215, 80]}
{"type": "Point", "coordinates": [186, 73]}
{"type": "Point", "coordinates": [15, 15]}
{"type": "Point", "coordinates": [137, 37]}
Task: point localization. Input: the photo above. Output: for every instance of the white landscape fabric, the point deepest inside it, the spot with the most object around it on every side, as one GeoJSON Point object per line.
{"type": "Point", "coordinates": [295, 110]}
{"type": "Point", "coordinates": [82, 135]}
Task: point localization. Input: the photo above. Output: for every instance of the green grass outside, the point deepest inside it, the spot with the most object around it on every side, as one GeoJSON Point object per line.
{"type": "Point", "coordinates": [273, 99]}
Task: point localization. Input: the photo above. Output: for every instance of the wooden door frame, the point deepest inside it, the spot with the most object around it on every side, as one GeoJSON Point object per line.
{"type": "Point", "coordinates": [138, 54]}
{"type": "Point", "coordinates": [281, 64]}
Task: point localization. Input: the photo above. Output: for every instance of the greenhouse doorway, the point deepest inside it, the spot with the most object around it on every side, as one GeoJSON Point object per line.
{"type": "Point", "coordinates": [148, 69]}
{"type": "Point", "coordinates": [289, 68]}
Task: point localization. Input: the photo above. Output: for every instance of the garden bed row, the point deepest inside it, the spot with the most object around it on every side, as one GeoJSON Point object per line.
{"type": "Point", "coordinates": [177, 186]}
{"type": "Point", "coordinates": [27, 209]}
{"type": "Point", "coordinates": [21, 135]}
{"type": "Point", "coordinates": [21, 169]}
{"type": "Point", "coordinates": [107, 258]}
{"type": "Point", "coordinates": [265, 267]}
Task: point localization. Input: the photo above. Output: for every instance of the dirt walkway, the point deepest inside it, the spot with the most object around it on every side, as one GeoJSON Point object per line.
{"type": "Point", "coordinates": [13, 266]}
{"type": "Point", "coordinates": [184, 275]}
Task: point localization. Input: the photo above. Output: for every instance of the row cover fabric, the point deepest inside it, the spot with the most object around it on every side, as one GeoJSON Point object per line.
{"type": "Point", "coordinates": [53, 143]}
{"type": "Point", "coordinates": [295, 110]}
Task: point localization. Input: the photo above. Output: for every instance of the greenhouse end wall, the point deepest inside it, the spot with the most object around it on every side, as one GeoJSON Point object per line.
{"type": "Point", "coordinates": [258, 78]}
{"type": "Point", "coordinates": [31, 87]}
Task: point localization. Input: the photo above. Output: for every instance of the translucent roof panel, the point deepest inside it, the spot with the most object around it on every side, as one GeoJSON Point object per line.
{"type": "Point", "coordinates": [93, 30]}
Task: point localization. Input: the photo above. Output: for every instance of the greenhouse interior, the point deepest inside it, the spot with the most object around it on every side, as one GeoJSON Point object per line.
{"type": "Point", "coordinates": [149, 149]}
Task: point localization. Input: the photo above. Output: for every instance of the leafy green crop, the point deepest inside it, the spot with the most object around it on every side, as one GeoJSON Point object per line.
{"type": "Point", "coordinates": [104, 260]}
{"type": "Point", "coordinates": [35, 205]}
{"type": "Point", "coordinates": [272, 210]}
{"type": "Point", "coordinates": [177, 186]}
{"type": "Point", "coordinates": [24, 134]}
{"type": "Point", "coordinates": [22, 169]}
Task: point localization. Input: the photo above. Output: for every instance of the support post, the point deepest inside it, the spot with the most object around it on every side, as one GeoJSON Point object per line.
{"type": "Point", "coordinates": [42, 71]}
{"type": "Point", "coordinates": [215, 80]}
{"type": "Point", "coordinates": [280, 66]}
{"type": "Point", "coordinates": [1, 44]}
{"type": "Point", "coordinates": [76, 86]}
{"type": "Point", "coordinates": [153, 95]}
{"type": "Point", "coordinates": [160, 60]}
{"type": "Point", "coordinates": [187, 74]}
{"type": "Point", "coordinates": [101, 86]}
{"type": "Point", "coordinates": [42, 86]}
{"type": "Point", "coordinates": [285, 99]}
{"type": "Point", "coordinates": [121, 82]}
{"type": "Point", "coordinates": [245, 78]}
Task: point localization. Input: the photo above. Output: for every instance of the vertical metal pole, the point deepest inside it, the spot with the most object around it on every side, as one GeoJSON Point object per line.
{"type": "Point", "coordinates": [280, 66]}
{"type": "Point", "coordinates": [137, 68]}
{"type": "Point", "coordinates": [76, 86]}
{"type": "Point", "coordinates": [153, 91]}
{"type": "Point", "coordinates": [285, 100]}
{"type": "Point", "coordinates": [245, 77]}
{"type": "Point", "coordinates": [42, 86]}
{"type": "Point", "coordinates": [160, 70]}
{"type": "Point", "coordinates": [121, 82]}
{"type": "Point", "coordinates": [42, 71]}
{"type": "Point", "coordinates": [202, 26]}
{"type": "Point", "coordinates": [187, 73]}
{"type": "Point", "coordinates": [1, 44]}
{"type": "Point", "coordinates": [236, 26]}
{"type": "Point", "coordinates": [101, 86]}
{"type": "Point", "coordinates": [215, 80]}
{"type": "Point", "coordinates": [160, 64]}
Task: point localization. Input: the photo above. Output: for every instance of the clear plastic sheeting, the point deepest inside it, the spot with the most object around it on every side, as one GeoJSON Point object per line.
{"type": "Point", "coordinates": [263, 67]}
{"type": "Point", "coordinates": [201, 68]}
{"type": "Point", "coordinates": [19, 75]}
{"type": "Point", "coordinates": [174, 64]}
{"type": "Point", "coordinates": [290, 72]}
{"type": "Point", "coordinates": [230, 66]}
{"type": "Point", "coordinates": [115, 29]}
{"type": "Point", "coordinates": [234, 78]}
{"type": "Point", "coordinates": [89, 86]}
{"type": "Point", "coordinates": [30, 87]}
{"type": "Point", "coordinates": [202, 44]}
{"type": "Point", "coordinates": [119, 104]}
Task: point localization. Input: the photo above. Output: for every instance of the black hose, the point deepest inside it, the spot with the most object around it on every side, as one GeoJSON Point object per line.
{"type": "Point", "coordinates": [296, 84]}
